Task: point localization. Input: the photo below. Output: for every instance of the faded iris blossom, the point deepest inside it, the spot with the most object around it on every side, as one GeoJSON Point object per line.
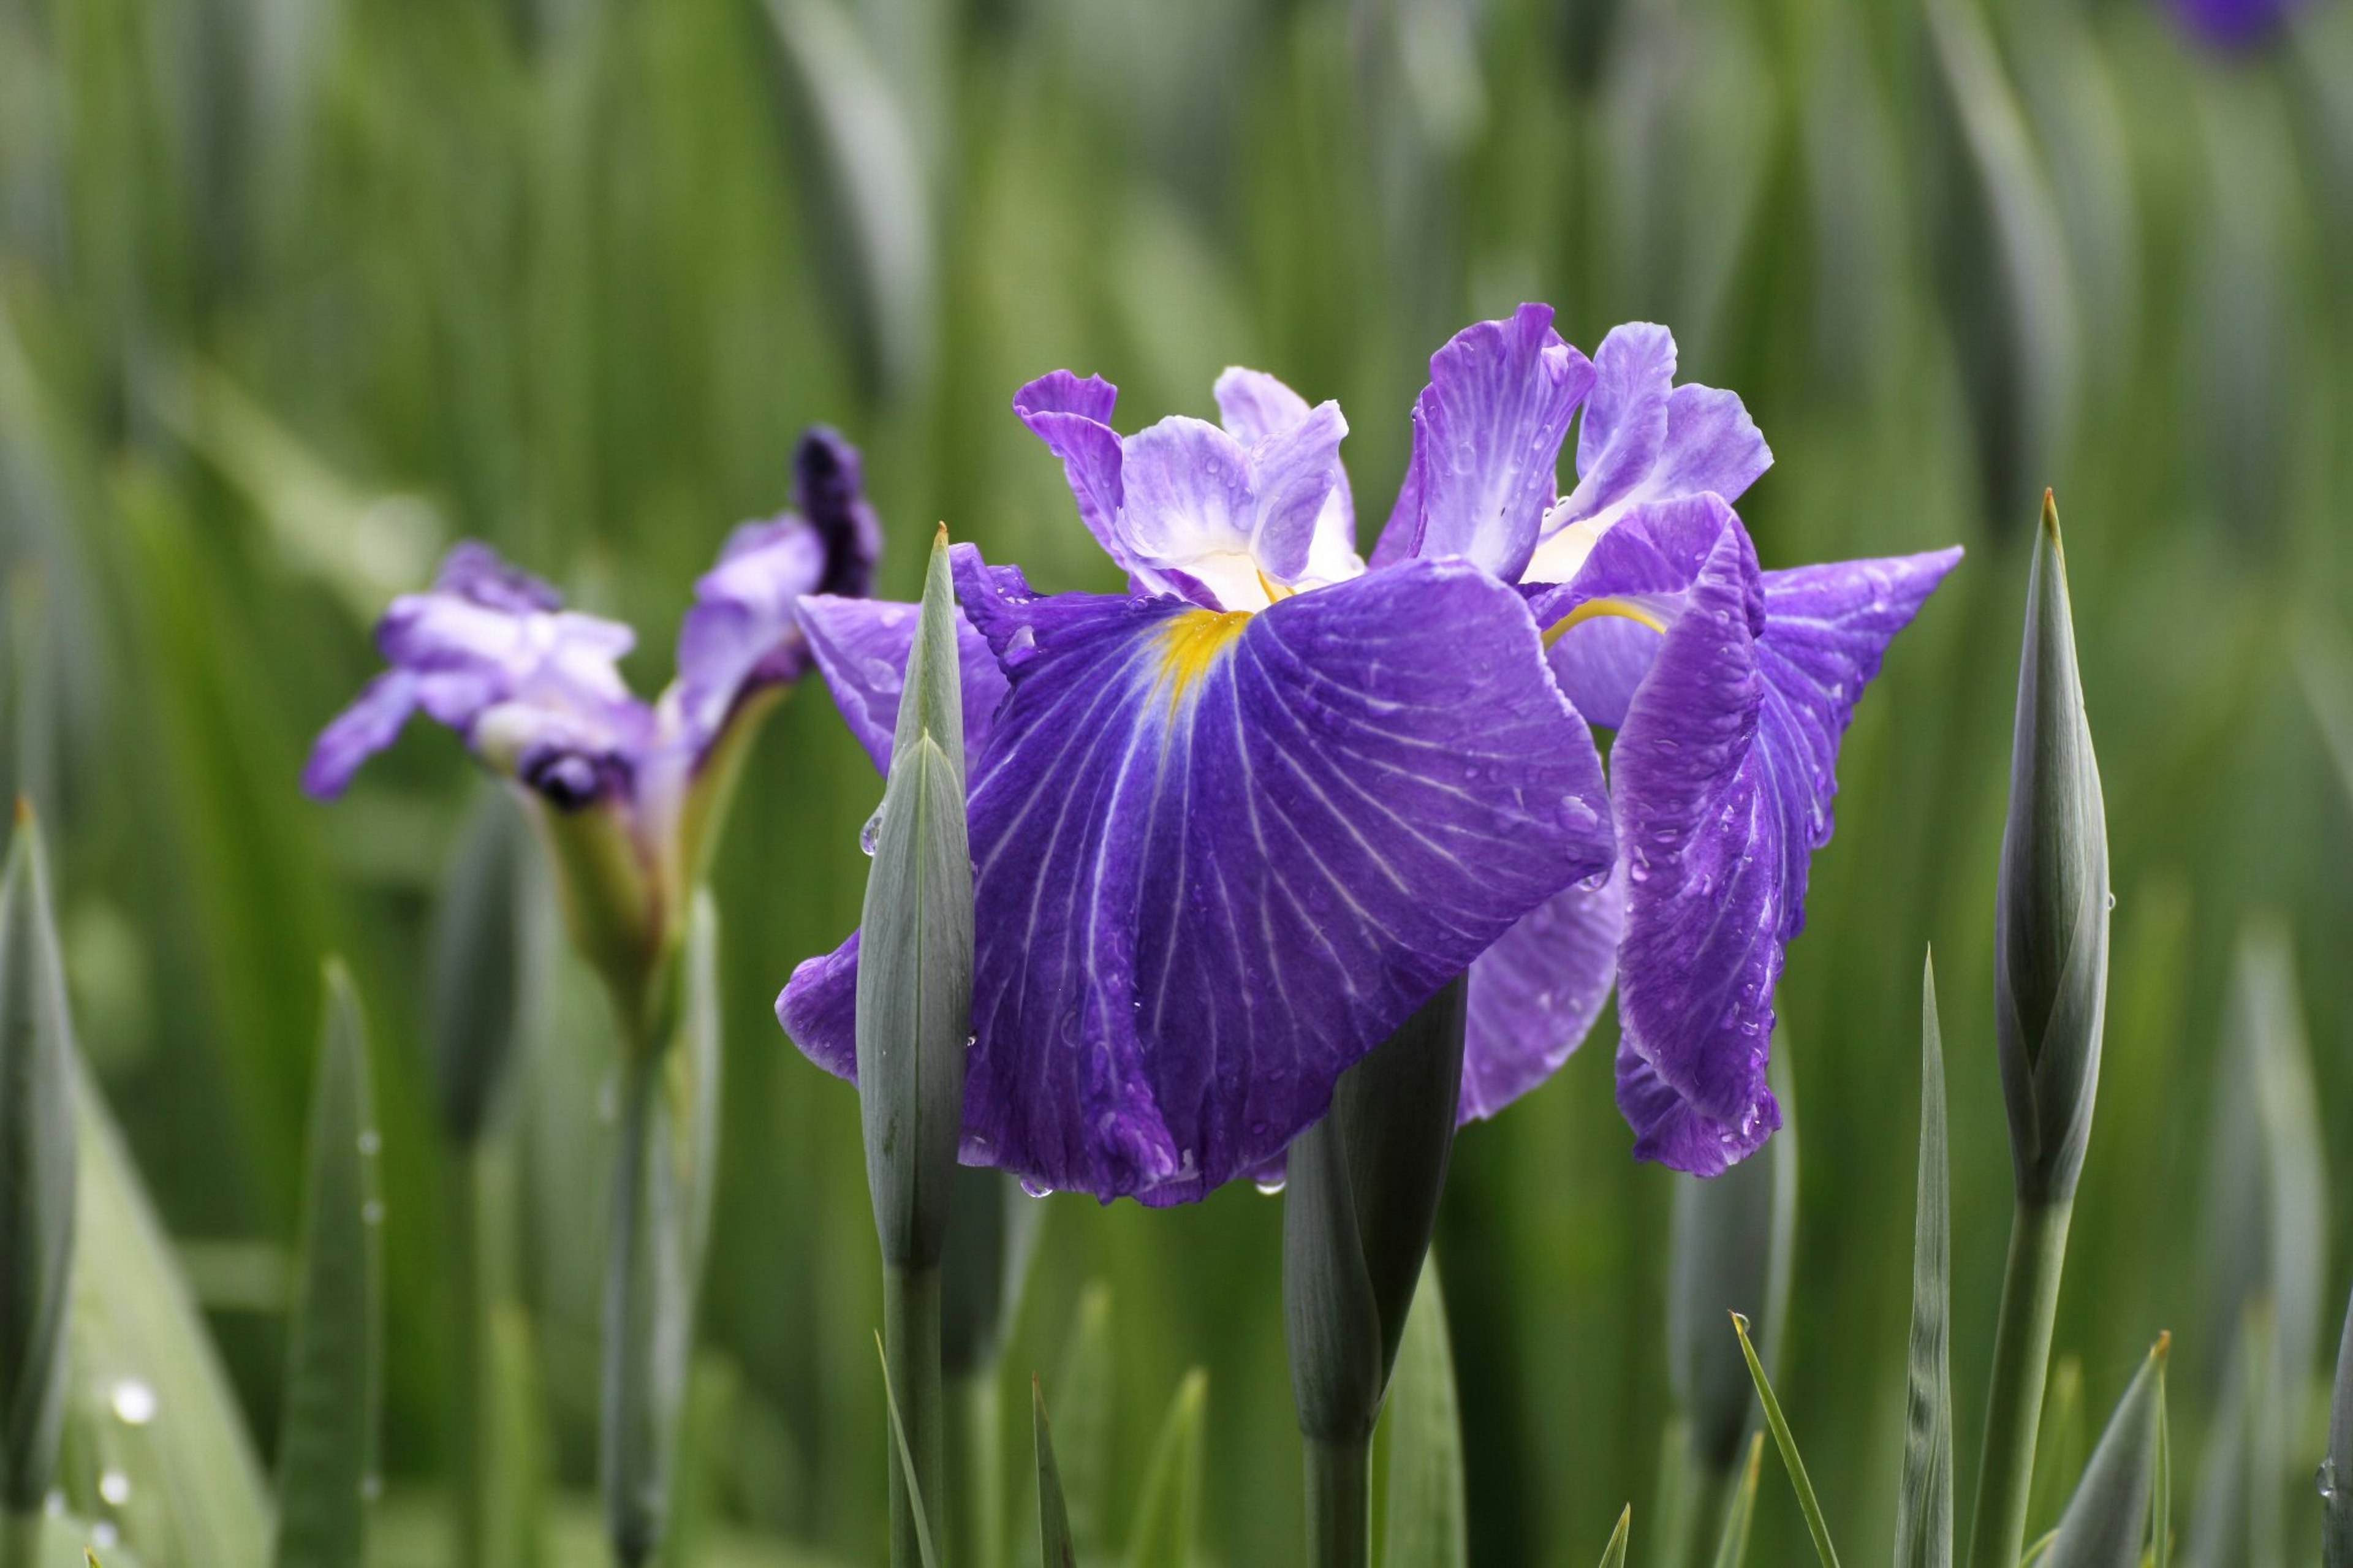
{"type": "Point", "coordinates": [630, 791]}
{"type": "Point", "coordinates": [1232, 826]}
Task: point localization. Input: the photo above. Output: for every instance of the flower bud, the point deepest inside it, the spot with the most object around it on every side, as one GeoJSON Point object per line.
{"type": "Point", "coordinates": [831, 489]}
{"type": "Point", "coordinates": [914, 968]}
{"type": "Point", "coordinates": [2051, 949]}
{"type": "Point", "coordinates": [1364, 1186]}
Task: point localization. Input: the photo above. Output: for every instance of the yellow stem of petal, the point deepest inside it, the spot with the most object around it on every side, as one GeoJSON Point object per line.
{"type": "Point", "coordinates": [1594, 609]}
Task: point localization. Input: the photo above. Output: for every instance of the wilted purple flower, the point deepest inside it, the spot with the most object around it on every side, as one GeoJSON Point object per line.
{"type": "Point", "coordinates": [534, 690]}
{"type": "Point", "coordinates": [2233, 23]}
{"type": "Point", "coordinates": [1230, 828]}
{"type": "Point", "coordinates": [1728, 687]}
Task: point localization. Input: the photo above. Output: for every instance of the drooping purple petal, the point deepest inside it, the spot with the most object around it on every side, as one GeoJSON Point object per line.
{"type": "Point", "coordinates": [1073, 418]}
{"type": "Point", "coordinates": [371, 724]}
{"type": "Point", "coordinates": [1536, 993]}
{"type": "Point", "coordinates": [818, 1009]}
{"type": "Point", "coordinates": [1487, 432]}
{"type": "Point", "coordinates": [1221, 857]}
{"type": "Point", "coordinates": [861, 648]}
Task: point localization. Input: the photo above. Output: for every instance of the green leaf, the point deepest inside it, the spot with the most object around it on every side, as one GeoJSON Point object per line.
{"type": "Point", "coordinates": [1924, 1504]}
{"type": "Point", "coordinates": [1427, 1523]}
{"type": "Point", "coordinates": [1614, 1554]}
{"type": "Point", "coordinates": [915, 953]}
{"type": "Point", "coordinates": [1054, 1546]}
{"type": "Point", "coordinates": [1083, 1390]}
{"type": "Point", "coordinates": [334, 1367]}
{"type": "Point", "coordinates": [159, 1409]}
{"type": "Point", "coordinates": [37, 1174]}
{"type": "Point", "coordinates": [926, 1552]}
{"type": "Point", "coordinates": [1168, 1511]}
{"type": "Point", "coordinates": [1732, 1548]}
{"type": "Point", "coordinates": [2336, 1469]}
{"type": "Point", "coordinates": [2108, 1519]}
{"type": "Point", "coordinates": [1779, 1425]}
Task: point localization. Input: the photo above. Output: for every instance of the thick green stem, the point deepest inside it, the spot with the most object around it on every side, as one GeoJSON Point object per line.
{"type": "Point", "coordinates": [631, 1470]}
{"type": "Point", "coordinates": [911, 1345]}
{"type": "Point", "coordinates": [975, 1475]}
{"type": "Point", "coordinates": [1339, 1502]}
{"type": "Point", "coordinates": [470, 1402]}
{"type": "Point", "coordinates": [2022, 1357]}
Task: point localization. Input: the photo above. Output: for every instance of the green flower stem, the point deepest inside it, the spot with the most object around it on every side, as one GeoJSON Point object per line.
{"type": "Point", "coordinates": [2022, 1357]}
{"type": "Point", "coordinates": [469, 1403]}
{"type": "Point", "coordinates": [976, 1474]}
{"type": "Point", "coordinates": [1339, 1502]}
{"type": "Point", "coordinates": [630, 1411]}
{"type": "Point", "coordinates": [911, 1344]}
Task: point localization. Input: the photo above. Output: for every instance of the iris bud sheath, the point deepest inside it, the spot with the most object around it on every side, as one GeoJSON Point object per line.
{"type": "Point", "coordinates": [2051, 970]}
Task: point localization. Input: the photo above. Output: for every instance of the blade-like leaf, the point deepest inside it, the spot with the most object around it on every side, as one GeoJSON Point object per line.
{"type": "Point", "coordinates": [927, 1553]}
{"type": "Point", "coordinates": [1782, 1439]}
{"type": "Point", "coordinates": [1427, 1523]}
{"type": "Point", "coordinates": [1732, 1548]}
{"type": "Point", "coordinates": [327, 1434]}
{"type": "Point", "coordinates": [2108, 1519]}
{"type": "Point", "coordinates": [1614, 1554]}
{"type": "Point", "coordinates": [2060, 1441]}
{"type": "Point", "coordinates": [1168, 1510]}
{"type": "Point", "coordinates": [1924, 1505]}
{"type": "Point", "coordinates": [37, 1176]}
{"type": "Point", "coordinates": [1083, 1387]}
{"type": "Point", "coordinates": [1054, 1548]}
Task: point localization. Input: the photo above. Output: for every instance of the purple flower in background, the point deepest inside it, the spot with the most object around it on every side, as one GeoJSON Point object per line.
{"type": "Point", "coordinates": [1728, 687]}
{"type": "Point", "coordinates": [536, 691]}
{"type": "Point", "coordinates": [2233, 23]}
{"type": "Point", "coordinates": [1229, 828]}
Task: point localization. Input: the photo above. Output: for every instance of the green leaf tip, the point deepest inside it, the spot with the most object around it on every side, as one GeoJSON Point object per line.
{"type": "Point", "coordinates": [928, 1555]}
{"type": "Point", "coordinates": [2113, 1511]}
{"type": "Point", "coordinates": [1788, 1443]}
{"type": "Point", "coordinates": [1614, 1554]}
{"type": "Point", "coordinates": [1055, 1547]}
{"type": "Point", "coordinates": [1923, 1516]}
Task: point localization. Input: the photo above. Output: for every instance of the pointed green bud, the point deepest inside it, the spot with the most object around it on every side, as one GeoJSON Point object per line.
{"type": "Point", "coordinates": [2051, 952]}
{"type": "Point", "coordinates": [1364, 1185]}
{"type": "Point", "coordinates": [1729, 1249]}
{"type": "Point", "coordinates": [491, 948]}
{"type": "Point", "coordinates": [37, 1176]}
{"type": "Point", "coordinates": [914, 959]}
{"type": "Point", "coordinates": [2110, 1516]}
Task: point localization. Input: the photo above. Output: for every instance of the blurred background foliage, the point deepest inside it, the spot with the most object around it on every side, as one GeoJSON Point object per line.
{"type": "Point", "coordinates": [292, 293]}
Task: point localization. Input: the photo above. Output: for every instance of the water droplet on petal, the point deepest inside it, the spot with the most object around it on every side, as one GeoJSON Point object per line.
{"type": "Point", "coordinates": [868, 834]}
{"type": "Point", "coordinates": [133, 1402]}
{"type": "Point", "coordinates": [1272, 1187]}
{"type": "Point", "coordinates": [2112, 900]}
{"type": "Point", "coordinates": [2325, 1479]}
{"type": "Point", "coordinates": [114, 1487]}
{"type": "Point", "coordinates": [1036, 1189]}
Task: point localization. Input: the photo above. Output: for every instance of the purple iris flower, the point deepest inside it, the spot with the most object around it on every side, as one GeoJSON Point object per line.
{"type": "Point", "coordinates": [1231, 827]}
{"type": "Point", "coordinates": [1728, 687]}
{"type": "Point", "coordinates": [535, 690]}
{"type": "Point", "coordinates": [2233, 23]}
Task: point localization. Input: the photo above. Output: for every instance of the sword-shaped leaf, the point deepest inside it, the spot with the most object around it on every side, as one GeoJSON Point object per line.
{"type": "Point", "coordinates": [327, 1434]}
{"type": "Point", "coordinates": [1614, 1554]}
{"type": "Point", "coordinates": [1782, 1439]}
{"type": "Point", "coordinates": [925, 1552]}
{"type": "Point", "coordinates": [2109, 1517]}
{"type": "Point", "coordinates": [2335, 1494]}
{"type": "Point", "coordinates": [1054, 1548]}
{"type": "Point", "coordinates": [1083, 1392]}
{"type": "Point", "coordinates": [1428, 1523]}
{"type": "Point", "coordinates": [1169, 1512]}
{"type": "Point", "coordinates": [1923, 1505]}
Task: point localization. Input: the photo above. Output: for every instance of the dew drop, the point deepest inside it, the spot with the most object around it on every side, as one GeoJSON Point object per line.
{"type": "Point", "coordinates": [1036, 1189]}
{"type": "Point", "coordinates": [2325, 1479]}
{"type": "Point", "coordinates": [133, 1402]}
{"type": "Point", "coordinates": [2112, 900]}
{"type": "Point", "coordinates": [868, 834]}
{"type": "Point", "coordinates": [1271, 1188]}
{"type": "Point", "coordinates": [372, 1211]}
{"type": "Point", "coordinates": [371, 1143]}
{"type": "Point", "coordinates": [114, 1487]}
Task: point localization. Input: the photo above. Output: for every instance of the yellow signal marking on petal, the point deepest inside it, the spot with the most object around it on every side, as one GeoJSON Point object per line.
{"type": "Point", "coordinates": [1191, 643]}
{"type": "Point", "coordinates": [1594, 609]}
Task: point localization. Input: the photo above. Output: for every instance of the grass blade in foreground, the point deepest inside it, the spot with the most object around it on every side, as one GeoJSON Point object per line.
{"type": "Point", "coordinates": [1731, 1549]}
{"type": "Point", "coordinates": [1054, 1548]}
{"type": "Point", "coordinates": [1614, 1554]}
{"type": "Point", "coordinates": [1169, 1512]}
{"type": "Point", "coordinates": [1806, 1502]}
{"type": "Point", "coordinates": [1429, 1526]}
{"type": "Point", "coordinates": [1923, 1505]}
{"type": "Point", "coordinates": [37, 1193]}
{"type": "Point", "coordinates": [925, 1553]}
{"type": "Point", "coordinates": [327, 1435]}
{"type": "Point", "coordinates": [2109, 1517]}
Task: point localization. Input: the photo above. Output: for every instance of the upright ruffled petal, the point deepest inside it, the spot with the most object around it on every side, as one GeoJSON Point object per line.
{"type": "Point", "coordinates": [1536, 993]}
{"type": "Point", "coordinates": [1253, 405]}
{"type": "Point", "coordinates": [1487, 433]}
{"type": "Point", "coordinates": [371, 724]}
{"type": "Point", "coordinates": [1220, 857]}
{"type": "Point", "coordinates": [1073, 418]}
{"type": "Point", "coordinates": [1292, 472]}
{"type": "Point", "coordinates": [861, 648]}
{"type": "Point", "coordinates": [743, 631]}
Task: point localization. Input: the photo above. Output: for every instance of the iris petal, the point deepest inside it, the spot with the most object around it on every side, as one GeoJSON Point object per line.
{"type": "Point", "coordinates": [861, 645]}
{"type": "Point", "coordinates": [1535, 993]}
{"type": "Point", "coordinates": [1219, 858]}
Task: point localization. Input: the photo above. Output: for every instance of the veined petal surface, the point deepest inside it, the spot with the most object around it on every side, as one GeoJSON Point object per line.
{"type": "Point", "coordinates": [861, 647]}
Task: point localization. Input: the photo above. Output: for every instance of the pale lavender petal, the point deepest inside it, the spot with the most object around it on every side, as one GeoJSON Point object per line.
{"type": "Point", "coordinates": [370, 724]}
{"type": "Point", "coordinates": [861, 648]}
{"type": "Point", "coordinates": [1253, 406]}
{"type": "Point", "coordinates": [743, 631]}
{"type": "Point", "coordinates": [1487, 432]}
{"type": "Point", "coordinates": [1073, 418]}
{"type": "Point", "coordinates": [1535, 993]}
{"type": "Point", "coordinates": [1187, 491]}
{"type": "Point", "coordinates": [1625, 420]}
{"type": "Point", "coordinates": [473, 571]}
{"type": "Point", "coordinates": [1291, 475]}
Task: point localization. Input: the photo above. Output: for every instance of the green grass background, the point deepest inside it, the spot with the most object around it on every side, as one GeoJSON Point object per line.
{"type": "Point", "coordinates": [294, 291]}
